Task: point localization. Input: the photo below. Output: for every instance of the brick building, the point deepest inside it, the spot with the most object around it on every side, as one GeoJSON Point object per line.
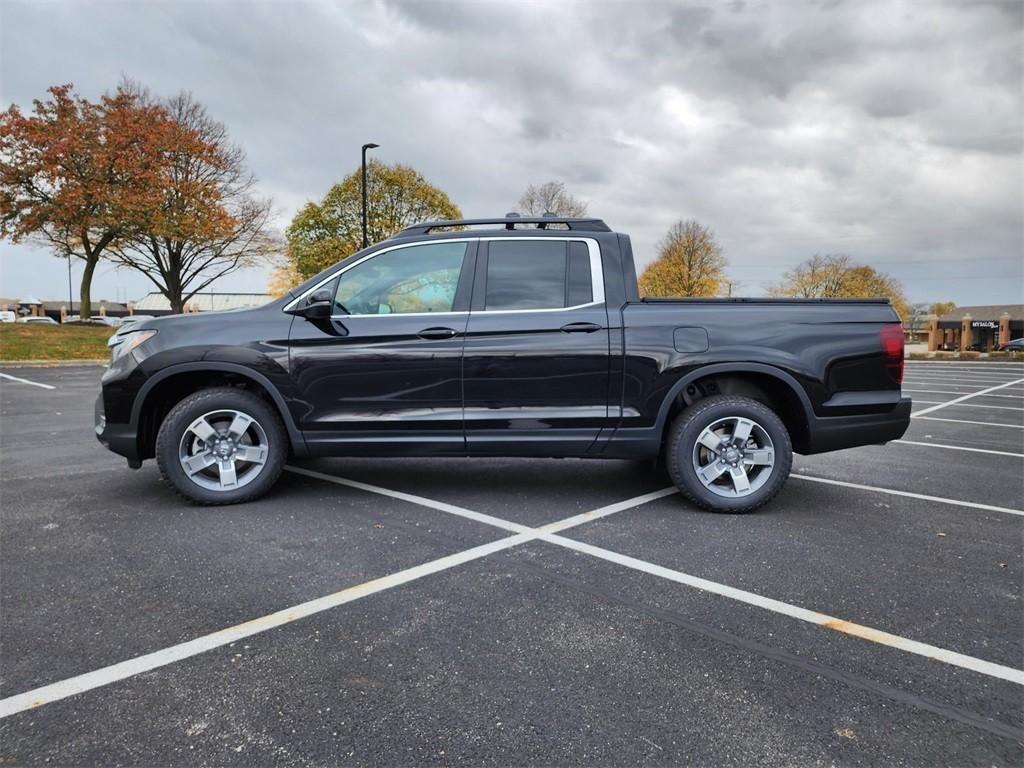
{"type": "Point", "coordinates": [981, 328]}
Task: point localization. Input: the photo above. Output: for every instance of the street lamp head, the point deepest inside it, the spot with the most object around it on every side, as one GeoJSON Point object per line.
{"type": "Point", "coordinates": [371, 145]}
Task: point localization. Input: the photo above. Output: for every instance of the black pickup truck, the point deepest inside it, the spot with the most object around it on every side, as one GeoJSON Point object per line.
{"type": "Point", "coordinates": [504, 337]}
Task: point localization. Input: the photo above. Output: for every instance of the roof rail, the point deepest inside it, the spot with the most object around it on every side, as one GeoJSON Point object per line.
{"type": "Point", "coordinates": [509, 222]}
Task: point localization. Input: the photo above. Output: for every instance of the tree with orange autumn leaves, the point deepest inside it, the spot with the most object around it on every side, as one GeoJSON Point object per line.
{"type": "Point", "coordinates": [152, 186]}
{"type": "Point", "coordinates": [838, 276]}
{"type": "Point", "coordinates": [690, 263]}
{"type": "Point", "coordinates": [79, 175]}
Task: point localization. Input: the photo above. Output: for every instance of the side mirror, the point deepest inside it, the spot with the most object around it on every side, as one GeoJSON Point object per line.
{"type": "Point", "coordinates": [317, 306]}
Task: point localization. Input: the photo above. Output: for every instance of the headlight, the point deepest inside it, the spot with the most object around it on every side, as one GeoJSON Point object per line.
{"type": "Point", "coordinates": [122, 343]}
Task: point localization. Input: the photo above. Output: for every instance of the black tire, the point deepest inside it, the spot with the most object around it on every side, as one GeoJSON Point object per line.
{"type": "Point", "coordinates": [681, 445]}
{"type": "Point", "coordinates": [176, 426]}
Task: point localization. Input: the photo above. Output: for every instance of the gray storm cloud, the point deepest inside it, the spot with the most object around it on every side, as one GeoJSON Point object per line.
{"type": "Point", "coordinates": [888, 131]}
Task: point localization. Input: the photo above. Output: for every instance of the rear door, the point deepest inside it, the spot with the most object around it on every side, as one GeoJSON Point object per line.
{"type": "Point", "coordinates": [536, 356]}
{"type": "Point", "coordinates": [383, 374]}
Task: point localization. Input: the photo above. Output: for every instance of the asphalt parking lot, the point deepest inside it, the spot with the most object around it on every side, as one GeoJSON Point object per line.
{"type": "Point", "coordinates": [516, 611]}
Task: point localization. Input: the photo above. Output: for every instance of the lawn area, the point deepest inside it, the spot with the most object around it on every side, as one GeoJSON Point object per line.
{"type": "Point", "coordinates": [19, 341]}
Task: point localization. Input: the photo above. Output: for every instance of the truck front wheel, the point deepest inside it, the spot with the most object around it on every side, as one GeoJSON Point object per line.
{"type": "Point", "coordinates": [729, 454]}
{"type": "Point", "coordinates": [221, 446]}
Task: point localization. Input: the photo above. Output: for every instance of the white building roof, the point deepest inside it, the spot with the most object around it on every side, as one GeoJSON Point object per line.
{"type": "Point", "coordinates": [204, 302]}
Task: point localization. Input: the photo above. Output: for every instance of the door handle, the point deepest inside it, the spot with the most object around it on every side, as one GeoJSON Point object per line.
{"type": "Point", "coordinates": [438, 333]}
{"type": "Point", "coordinates": [581, 328]}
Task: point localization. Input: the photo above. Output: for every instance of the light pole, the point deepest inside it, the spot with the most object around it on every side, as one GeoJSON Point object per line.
{"type": "Point", "coordinates": [371, 145]}
{"type": "Point", "coordinates": [71, 294]}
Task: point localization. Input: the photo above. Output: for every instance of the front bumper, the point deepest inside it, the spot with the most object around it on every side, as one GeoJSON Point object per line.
{"type": "Point", "coordinates": [119, 438]}
{"type": "Point", "coordinates": [833, 433]}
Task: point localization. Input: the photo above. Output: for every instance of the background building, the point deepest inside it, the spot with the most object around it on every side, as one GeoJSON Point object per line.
{"type": "Point", "coordinates": [157, 304]}
{"type": "Point", "coordinates": [150, 304]}
{"type": "Point", "coordinates": [982, 328]}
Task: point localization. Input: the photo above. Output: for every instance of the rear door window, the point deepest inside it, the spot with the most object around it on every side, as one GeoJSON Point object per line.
{"type": "Point", "coordinates": [537, 274]}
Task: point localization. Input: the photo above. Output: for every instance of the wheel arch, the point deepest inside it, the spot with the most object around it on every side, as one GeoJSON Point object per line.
{"type": "Point", "coordinates": [172, 384]}
{"type": "Point", "coordinates": [775, 387]}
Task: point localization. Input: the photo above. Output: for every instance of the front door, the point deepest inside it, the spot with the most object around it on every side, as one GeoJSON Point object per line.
{"type": "Point", "coordinates": [383, 374]}
{"type": "Point", "coordinates": [536, 359]}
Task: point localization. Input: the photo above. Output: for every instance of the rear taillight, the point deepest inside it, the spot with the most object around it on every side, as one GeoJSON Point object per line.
{"type": "Point", "coordinates": [892, 347]}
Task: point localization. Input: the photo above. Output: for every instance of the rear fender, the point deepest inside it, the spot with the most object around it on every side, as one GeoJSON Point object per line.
{"type": "Point", "coordinates": [726, 368]}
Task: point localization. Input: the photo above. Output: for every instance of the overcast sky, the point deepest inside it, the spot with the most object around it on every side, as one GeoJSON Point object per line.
{"type": "Point", "coordinates": [888, 131]}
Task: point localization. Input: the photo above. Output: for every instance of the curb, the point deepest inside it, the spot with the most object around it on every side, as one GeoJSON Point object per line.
{"type": "Point", "coordinates": [957, 359]}
{"type": "Point", "coordinates": [50, 363]}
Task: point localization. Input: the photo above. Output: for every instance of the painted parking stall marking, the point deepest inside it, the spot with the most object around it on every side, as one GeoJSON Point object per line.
{"type": "Point", "coordinates": [966, 421]}
{"type": "Point", "coordinates": [150, 661]}
{"type": "Point", "coordinates": [971, 405]}
{"type": "Point", "coordinates": [960, 448]}
{"type": "Point", "coordinates": [26, 381]}
{"type": "Point", "coordinates": [962, 398]}
{"type": "Point", "coordinates": [121, 671]}
{"type": "Point", "coordinates": [548, 533]}
{"type": "Point", "coordinates": [911, 495]}
{"type": "Point", "coordinates": [802, 614]}
{"type": "Point", "coordinates": [952, 392]}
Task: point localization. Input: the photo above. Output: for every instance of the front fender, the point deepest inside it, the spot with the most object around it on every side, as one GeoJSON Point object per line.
{"type": "Point", "coordinates": [256, 373]}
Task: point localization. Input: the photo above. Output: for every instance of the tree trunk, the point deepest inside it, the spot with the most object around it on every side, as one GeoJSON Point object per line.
{"type": "Point", "coordinates": [85, 299]}
{"type": "Point", "coordinates": [175, 294]}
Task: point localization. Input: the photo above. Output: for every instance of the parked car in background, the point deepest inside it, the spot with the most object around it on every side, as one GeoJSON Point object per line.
{"type": "Point", "coordinates": [39, 321]}
{"type": "Point", "coordinates": [8, 316]}
{"type": "Point", "coordinates": [113, 322]}
{"type": "Point", "coordinates": [444, 341]}
{"type": "Point", "coordinates": [1014, 345]}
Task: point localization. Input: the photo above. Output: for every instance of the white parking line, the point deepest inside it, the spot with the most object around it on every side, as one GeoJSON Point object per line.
{"type": "Point", "coordinates": [966, 364]}
{"type": "Point", "coordinates": [951, 392]}
{"type": "Point", "coordinates": [966, 421]}
{"type": "Point", "coordinates": [929, 382]}
{"type": "Point", "coordinates": [1007, 372]}
{"type": "Point", "coordinates": [796, 612]}
{"type": "Point", "coordinates": [959, 386]}
{"type": "Point", "coordinates": [971, 405]}
{"type": "Point", "coordinates": [961, 375]}
{"type": "Point", "coordinates": [960, 448]}
{"type": "Point", "coordinates": [123, 670]}
{"type": "Point", "coordinates": [960, 399]}
{"type": "Point", "coordinates": [423, 501]}
{"type": "Point", "coordinates": [911, 495]}
{"type": "Point", "coordinates": [26, 381]}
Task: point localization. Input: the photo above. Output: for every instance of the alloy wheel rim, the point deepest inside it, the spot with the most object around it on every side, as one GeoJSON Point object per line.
{"type": "Point", "coordinates": [733, 457]}
{"type": "Point", "coordinates": [223, 450]}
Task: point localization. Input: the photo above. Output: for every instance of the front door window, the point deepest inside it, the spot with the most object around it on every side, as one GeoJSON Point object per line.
{"type": "Point", "coordinates": [417, 279]}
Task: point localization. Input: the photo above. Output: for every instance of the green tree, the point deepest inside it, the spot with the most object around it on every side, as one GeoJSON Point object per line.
{"type": "Point", "coordinates": [397, 196]}
{"type": "Point", "coordinates": [690, 263]}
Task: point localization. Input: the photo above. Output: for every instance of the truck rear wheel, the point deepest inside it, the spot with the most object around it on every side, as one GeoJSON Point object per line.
{"type": "Point", "coordinates": [221, 446]}
{"type": "Point", "coordinates": [729, 454]}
